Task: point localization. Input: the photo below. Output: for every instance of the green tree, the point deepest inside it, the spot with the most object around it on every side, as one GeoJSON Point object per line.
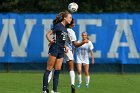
{"type": "Point", "coordinates": [85, 6]}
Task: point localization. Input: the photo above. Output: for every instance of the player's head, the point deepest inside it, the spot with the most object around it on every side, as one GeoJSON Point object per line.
{"type": "Point", "coordinates": [85, 35]}
{"type": "Point", "coordinates": [64, 17]}
{"type": "Point", "coordinates": [71, 25]}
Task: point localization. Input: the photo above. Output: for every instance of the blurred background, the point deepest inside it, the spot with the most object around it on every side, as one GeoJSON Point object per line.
{"type": "Point", "coordinates": [113, 27]}
{"type": "Point", "coordinates": [104, 10]}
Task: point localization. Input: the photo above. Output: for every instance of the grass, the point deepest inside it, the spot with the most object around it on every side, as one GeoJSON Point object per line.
{"type": "Point", "coordinates": [99, 83]}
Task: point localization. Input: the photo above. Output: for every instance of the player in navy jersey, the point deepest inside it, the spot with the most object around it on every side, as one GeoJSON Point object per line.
{"type": "Point", "coordinates": [56, 50]}
{"type": "Point", "coordinates": [71, 39]}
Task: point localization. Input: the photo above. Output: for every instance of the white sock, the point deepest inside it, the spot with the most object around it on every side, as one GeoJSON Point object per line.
{"type": "Point", "coordinates": [87, 78]}
{"type": "Point", "coordinates": [50, 75]}
{"type": "Point", "coordinates": [72, 77]}
{"type": "Point", "coordinates": [79, 79]}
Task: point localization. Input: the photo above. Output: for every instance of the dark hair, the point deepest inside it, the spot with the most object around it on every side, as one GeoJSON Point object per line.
{"type": "Point", "coordinates": [60, 17]}
{"type": "Point", "coordinates": [71, 25]}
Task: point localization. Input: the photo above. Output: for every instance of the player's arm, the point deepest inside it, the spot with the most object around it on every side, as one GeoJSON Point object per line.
{"type": "Point", "coordinates": [78, 44]}
{"type": "Point", "coordinates": [48, 36]}
{"type": "Point", "coordinates": [92, 56]}
{"type": "Point", "coordinates": [74, 50]}
{"type": "Point", "coordinates": [73, 39]}
{"type": "Point", "coordinates": [66, 49]}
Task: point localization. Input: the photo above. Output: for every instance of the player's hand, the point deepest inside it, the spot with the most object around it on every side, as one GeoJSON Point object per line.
{"type": "Point", "coordinates": [85, 40]}
{"type": "Point", "coordinates": [51, 42]}
{"type": "Point", "coordinates": [66, 50]}
{"type": "Point", "coordinates": [93, 61]}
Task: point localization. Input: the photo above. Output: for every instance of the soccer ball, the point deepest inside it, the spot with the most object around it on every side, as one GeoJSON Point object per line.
{"type": "Point", "coordinates": [72, 7]}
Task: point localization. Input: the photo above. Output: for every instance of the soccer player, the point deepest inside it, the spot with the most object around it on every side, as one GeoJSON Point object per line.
{"type": "Point", "coordinates": [56, 49]}
{"type": "Point", "coordinates": [69, 55]}
{"type": "Point", "coordinates": [71, 39]}
{"type": "Point", "coordinates": [83, 58]}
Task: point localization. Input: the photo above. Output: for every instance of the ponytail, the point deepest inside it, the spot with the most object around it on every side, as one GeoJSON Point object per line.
{"type": "Point", "coordinates": [60, 17]}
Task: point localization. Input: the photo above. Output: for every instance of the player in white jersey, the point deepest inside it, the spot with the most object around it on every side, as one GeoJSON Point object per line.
{"type": "Point", "coordinates": [71, 39]}
{"type": "Point", "coordinates": [83, 58]}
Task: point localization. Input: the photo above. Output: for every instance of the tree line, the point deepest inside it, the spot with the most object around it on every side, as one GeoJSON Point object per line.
{"type": "Point", "coordinates": [54, 6]}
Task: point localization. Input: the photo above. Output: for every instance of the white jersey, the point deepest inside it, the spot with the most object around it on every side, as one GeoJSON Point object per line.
{"type": "Point", "coordinates": [83, 52]}
{"type": "Point", "coordinates": [71, 37]}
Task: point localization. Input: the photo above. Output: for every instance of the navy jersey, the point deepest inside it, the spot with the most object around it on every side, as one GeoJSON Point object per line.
{"type": "Point", "coordinates": [60, 32]}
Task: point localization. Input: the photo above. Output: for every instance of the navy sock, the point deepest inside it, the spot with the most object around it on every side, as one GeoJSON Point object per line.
{"type": "Point", "coordinates": [55, 80]}
{"type": "Point", "coordinates": [45, 80]}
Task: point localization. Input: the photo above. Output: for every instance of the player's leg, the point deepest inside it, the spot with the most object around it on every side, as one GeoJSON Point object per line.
{"type": "Point", "coordinates": [57, 68]}
{"type": "Point", "coordinates": [50, 65]}
{"type": "Point", "coordinates": [70, 63]}
{"type": "Point", "coordinates": [50, 75]}
{"type": "Point", "coordinates": [71, 71]}
{"type": "Point", "coordinates": [87, 77]}
{"type": "Point", "coordinates": [79, 70]}
{"type": "Point", "coordinates": [72, 75]}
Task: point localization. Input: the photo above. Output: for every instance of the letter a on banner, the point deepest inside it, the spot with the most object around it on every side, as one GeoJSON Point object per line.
{"type": "Point", "coordinates": [123, 25]}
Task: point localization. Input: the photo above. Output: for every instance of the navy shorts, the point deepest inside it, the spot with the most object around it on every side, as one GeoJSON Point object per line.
{"type": "Point", "coordinates": [56, 53]}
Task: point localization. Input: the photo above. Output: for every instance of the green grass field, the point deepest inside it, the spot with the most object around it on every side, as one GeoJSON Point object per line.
{"type": "Point", "coordinates": [100, 83]}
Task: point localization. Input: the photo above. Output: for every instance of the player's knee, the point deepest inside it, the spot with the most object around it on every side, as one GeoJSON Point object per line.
{"type": "Point", "coordinates": [57, 68]}
{"type": "Point", "coordinates": [86, 73]}
{"type": "Point", "coordinates": [71, 68]}
{"type": "Point", "coordinates": [49, 68]}
{"type": "Point", "coordinates": [79, 71]}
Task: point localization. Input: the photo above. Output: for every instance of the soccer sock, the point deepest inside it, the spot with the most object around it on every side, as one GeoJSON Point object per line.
{"type": "Point", "coordinates": [45, 80]}
{"type": "Point", "coordinates": [55, 80]}
{"type": "Point", "coordinates": [87, 79]}
{"type": "Point", "coordinates": [79, 79]}
{"type": "Point", "coordinates": [50, 75]}
{"type": "Point", "coordinates": [72, 77]}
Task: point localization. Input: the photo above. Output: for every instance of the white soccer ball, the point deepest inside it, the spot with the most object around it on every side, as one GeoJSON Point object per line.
{"type": "Point", "coordinates": [73, 7]}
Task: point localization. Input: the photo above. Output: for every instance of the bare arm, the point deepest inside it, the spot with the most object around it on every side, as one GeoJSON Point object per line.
{"type": "Point", "coordinates": [48, 36]}
{"type": "Point", "coordinates": [78, 44]}
{"type": "Point", "coordinates": [74, 50]}
{"type": "Point", "coordinates": [66, 49]}
{"type": "Point", "coordinates": [92, 56]}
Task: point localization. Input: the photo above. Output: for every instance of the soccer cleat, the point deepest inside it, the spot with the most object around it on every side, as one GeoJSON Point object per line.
{"type": "Point", "coordinates": [79, 85]}
{"type": "Point", "coordinates": [72, 89]}
{"type": "Point", "coordinates": [44, 91]}
{"type": "Point", "coordinates": [54, 92]}
{"type": "Point", "coordinates": [47, 91]}
{"type": "Point", "coordinates": [86, 85]}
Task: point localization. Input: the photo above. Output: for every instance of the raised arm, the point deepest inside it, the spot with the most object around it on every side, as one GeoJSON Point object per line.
{"type": "Point", "coordinates": [78, 44]}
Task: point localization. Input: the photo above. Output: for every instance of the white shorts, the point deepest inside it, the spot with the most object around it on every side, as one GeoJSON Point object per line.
{"type": "Point", "coordinates": [82, 61]}
{"type": "Point", "coordinates": [69, 55]}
